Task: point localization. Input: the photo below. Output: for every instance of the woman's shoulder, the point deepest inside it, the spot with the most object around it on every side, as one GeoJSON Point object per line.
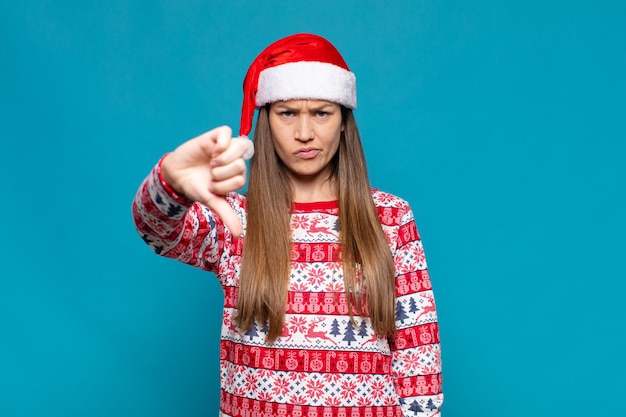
{"type": "Point", "coordinates": [384, 199]}
{"type": "Point", "coordinates": [392, 210]}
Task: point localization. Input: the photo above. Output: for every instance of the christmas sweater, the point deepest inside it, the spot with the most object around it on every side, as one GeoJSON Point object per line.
{"type": "Point", "coordinates": [323, 364]}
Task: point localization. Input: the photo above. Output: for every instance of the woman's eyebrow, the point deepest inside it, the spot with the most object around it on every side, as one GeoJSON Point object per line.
{"type": "Point", "coordinates": [285, 107]}
{"type": "Point", "coordinates": [321, 107]}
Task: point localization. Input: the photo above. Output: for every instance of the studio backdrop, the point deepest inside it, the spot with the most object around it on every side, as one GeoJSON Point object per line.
{"type": "Point", "coordinates": [502, 123]}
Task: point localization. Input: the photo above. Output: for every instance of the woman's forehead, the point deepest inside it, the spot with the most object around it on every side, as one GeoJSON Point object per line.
{"type": "Point", "coordinates": [304, 103]}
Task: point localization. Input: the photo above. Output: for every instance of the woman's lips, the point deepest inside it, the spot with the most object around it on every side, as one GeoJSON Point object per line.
{"type": "Point", "coordinates": [307, 153]}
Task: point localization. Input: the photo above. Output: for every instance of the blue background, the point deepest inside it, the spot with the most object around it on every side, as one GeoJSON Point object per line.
{"type": "Point", "coordinates": [503, 123]}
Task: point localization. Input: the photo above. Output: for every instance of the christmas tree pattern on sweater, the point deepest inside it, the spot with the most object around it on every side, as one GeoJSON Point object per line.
{"type": "Point", "coordinates": [323, 364]}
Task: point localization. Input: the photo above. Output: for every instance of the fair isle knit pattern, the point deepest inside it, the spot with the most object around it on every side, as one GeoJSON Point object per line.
{"type": "Point", "coordinates": [323, 364]}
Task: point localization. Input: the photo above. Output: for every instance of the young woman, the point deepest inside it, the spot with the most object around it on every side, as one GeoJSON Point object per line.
{"type": "Point", "coordinates": [328, 308]}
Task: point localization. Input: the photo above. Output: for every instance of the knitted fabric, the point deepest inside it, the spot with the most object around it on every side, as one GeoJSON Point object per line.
{"type": "Point", "coordinates": [322, 364]}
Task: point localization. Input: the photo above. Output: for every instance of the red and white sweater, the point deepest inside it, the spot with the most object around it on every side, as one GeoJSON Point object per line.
{"type": "Point", "coordinates": [321, 365]}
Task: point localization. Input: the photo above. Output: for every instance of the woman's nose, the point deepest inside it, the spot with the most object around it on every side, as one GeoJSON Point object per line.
{"type": "Point", "coordinates": [304, 129]}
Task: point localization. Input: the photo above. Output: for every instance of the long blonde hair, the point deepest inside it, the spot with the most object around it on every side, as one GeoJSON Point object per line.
{"type": "Point", "coordinates": [266, 259]}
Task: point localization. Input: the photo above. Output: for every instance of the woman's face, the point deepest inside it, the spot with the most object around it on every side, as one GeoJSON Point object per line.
{"type": "Point", "coordinates": [306, 135]}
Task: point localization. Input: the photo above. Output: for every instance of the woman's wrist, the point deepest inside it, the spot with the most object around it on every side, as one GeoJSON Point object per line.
{"type": "Point", "coordinates": [168, 184]}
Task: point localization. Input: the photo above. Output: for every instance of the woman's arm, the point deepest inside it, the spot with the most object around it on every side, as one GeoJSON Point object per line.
{"type": "Point", "coordinates": [203, 169]}
{"type": "Point", "coordinates": [416, 354]}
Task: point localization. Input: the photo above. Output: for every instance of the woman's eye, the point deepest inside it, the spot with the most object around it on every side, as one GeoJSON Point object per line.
{"type": "Point", "coordinates": [322, 114]}
{"type": "Point", "coordinates": [286, 114]}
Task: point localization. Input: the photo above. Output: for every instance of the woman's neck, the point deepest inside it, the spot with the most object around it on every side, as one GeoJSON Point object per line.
{"type": "Point", "coordinates": [313, 191]}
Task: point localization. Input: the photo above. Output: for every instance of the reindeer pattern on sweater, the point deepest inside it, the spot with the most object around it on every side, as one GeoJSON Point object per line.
{"type": "Point", "coordinates": [323, 363]}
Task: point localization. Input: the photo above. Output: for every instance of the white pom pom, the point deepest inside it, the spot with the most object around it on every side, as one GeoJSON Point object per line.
{"type": "Point", "coordinates": [248, 154]}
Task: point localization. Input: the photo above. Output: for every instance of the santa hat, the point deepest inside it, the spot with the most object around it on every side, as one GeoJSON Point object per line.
{"type": "Point", "coordinates": [301, 66]}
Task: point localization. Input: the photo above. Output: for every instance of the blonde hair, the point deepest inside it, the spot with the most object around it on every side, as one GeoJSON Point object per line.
{"type": "Point", "coordinates": [266, 259]}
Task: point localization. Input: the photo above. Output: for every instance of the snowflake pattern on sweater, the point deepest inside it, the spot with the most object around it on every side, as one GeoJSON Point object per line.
{"type": "Point", "coordinates": [322, 365]}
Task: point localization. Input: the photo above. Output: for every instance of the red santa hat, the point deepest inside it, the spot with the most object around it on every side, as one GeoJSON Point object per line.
{"type": "Point", "coordinates": [301, 66]}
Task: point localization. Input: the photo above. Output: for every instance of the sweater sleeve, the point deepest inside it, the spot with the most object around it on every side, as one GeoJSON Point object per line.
{"type": "Point", "coordinates": [415, 350]}
{"type": "Point", "coordinates": [176, 228]}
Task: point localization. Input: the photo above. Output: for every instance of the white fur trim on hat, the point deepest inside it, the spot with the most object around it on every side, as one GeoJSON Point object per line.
{"type": "Point", "coordinates": [307, 80]}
